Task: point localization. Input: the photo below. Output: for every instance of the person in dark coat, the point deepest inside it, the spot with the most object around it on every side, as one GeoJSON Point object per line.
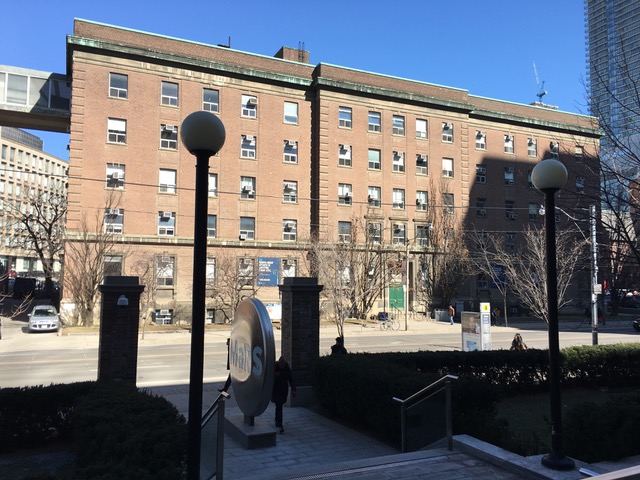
{"type": "Point", "coordinates": [338, 348]}
{"type": "Point", "coordinates": [282, 380]}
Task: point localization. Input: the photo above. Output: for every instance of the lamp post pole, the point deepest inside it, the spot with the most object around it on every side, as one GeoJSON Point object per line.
{"type": "Point", "coordinates": [549, 176]}
{"type": "Point", "coordinates": [203, 135]}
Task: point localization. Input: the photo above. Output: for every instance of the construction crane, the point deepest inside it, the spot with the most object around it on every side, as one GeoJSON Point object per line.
{"type": "Point", "coordinates": [541, 91]}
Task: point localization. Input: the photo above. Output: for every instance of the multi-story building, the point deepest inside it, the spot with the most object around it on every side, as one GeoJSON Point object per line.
{"type": "Point", "coordinates": [309, 148]}
{"type": "Point", "coordinates": [26, 173]}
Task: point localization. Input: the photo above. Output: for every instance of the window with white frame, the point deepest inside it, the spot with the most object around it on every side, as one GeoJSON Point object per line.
{"type": "Point", "coordinates": [481, 174]}
{"type": "Point", "coordinates": [169, 136]}
{"type": "Point", "coordinates": [167, 180]}
{"type": "Point", "coordinates": [248, 146]}
{"type": "Point", "coordinates": [532, 147]}
{"type": "Point", "coordinates": [114, 220]}
{"type": "Point", "coordinates": [290, 112]}
{"type": "Point", "coordinates": [554, 147]}
{"type": "Point", "coordinates": [398, 198]}
{"type": "Point", "coordinates": [481, 140]}
{"type": "Point", "coordinates": [344, 232]}
{"type": "Point", "coordinates": [210, 100]}
{"type": "Point", "coordinates": [289, 191]}
{"type": "Point", "coordinates": [289, 267]}
{"type": "Point", "coordinates": [112, 265]}
{"type": "Point", "coordinates": [579, 184]}
{"type": "Point", "coordinates": [344, 194]}
{"type": "Point", "coordinates": [422, 200]}
{"type": "Point", "coordinates": [447, 167]}
{"type": "Point", "coordinates": [118, 85]}
{"type": "Point", "coordinates": [374, 121]}
{"type": "Point", "coordinates": [248, 187]}
{"type": "Point", "coordinates": [374, 233]}
{"type": "Point", "coordinates": [398, 162]}
{"type": "Point", "coordinates": [165, 268]}
{"type": "Point", "coordinates": [249, 106]}
{"type": "Point", "coordinates": [509, 176]}
{"type": "Point", "coordinates": [374, 159]}
{"type": "Point", "coordinates": [448, 203]}
{"type": "Point", "coordinates": [421, 129]}
{"type": "Point", "coordinates": [115, 175]}
{"type": "Point", "coordinates": [344, 155]}
{"type": "Point", "coordinates": [213, 184]}
{"type": "Point", "coordinates": [212, 226]}
{"type": "Point", "coordinates": [166, 224]}
{"type": "Point", "coordinates": [399, 234]}
{"type": "Point", "coordinates": [482, 281]}
{"type": "Point", "coordinates": [423, 234]}
{"type": "Point", "coordinates": [397, 123]}
{"type": "Point", "coordinates": [509, 144]}
{"type": "Point", "coordinates": [169, 94]}
{"type": "Point", "coordinates": [289, 230]}
{"type": "Point", "coordinates": [211, 271]}
{"type": "Point", "coordinates": [510, 241]}
{"type": "Point", "coordinates": [344, 117]}
{"type": "Point", "coordinates": [290, 151]}
{"type": "Point", "coordinates": [579, 152]}
{"type": "Point", "coordinates": [164, 316]}
{"type": "Point", "coordinates": [247, 228]}
{"type": "Point", "coordinates": [533, 211]}
{"type": "Point", "coordinates": [246, 271]}
{"type": "Point", "coordinates": [447, 132]}
{"type": "Point", "coordinates": [481, 207]}
{"type": "Point", "coordinates": [422, 164]}
{"type": "Point", "coordinates": [529, 182]}
{"type": "Point", "coordinates": [510, 209]}
{"type": "Point", "coordinates": [374, 195]}
{"type": "Point", "coordinates": [117, 130]}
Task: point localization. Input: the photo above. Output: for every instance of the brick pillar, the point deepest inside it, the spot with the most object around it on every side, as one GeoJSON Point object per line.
{"type": "Point", "coordinates": [118, 351]}
{"type": "Point", "coordinates": [301, 327]}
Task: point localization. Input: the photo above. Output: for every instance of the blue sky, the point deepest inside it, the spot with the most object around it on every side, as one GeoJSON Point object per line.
{"type": "Point", "coordinates": [486, 47]}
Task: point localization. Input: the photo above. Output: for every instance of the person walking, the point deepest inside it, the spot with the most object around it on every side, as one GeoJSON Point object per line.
{"type": "Point", "coordinates": [338, 348]}
{"type": "Point", "coordinates": [517, 343]}
{"type": "Point", "coordinates": [452, 313]}
{"type": "Point", "coordinates": [282, 380]}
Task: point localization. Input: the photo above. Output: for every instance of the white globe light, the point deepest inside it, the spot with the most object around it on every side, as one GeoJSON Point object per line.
{"type": "Point", "coordinates": [550, 174]}
{"type": "Point", "coordinates": [202, 132]}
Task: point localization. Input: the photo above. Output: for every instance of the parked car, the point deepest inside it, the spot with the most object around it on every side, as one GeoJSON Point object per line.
{"type": "Point", "coordinates": [636, 325]}
{"type": "Point", "coordinates": [630, 301]}
{"type": "Point", "coordinates": [44, 318]}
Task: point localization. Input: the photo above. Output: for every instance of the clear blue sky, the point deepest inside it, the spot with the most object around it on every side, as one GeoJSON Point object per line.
{"type": "Point", "coordinates": [486, 47]}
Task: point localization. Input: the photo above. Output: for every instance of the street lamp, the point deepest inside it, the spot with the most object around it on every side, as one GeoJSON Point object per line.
{"type": "Point", "coordinates": [549, 176]}
{"type": "Point", "coordinates": [203, 135]}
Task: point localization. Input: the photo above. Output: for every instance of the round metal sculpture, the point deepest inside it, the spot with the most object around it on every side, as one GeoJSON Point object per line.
{"type": "Point", "coordinates": [252, 357]}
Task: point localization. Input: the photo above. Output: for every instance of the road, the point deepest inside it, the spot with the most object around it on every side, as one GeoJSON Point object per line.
{"type": "Point", "coordinates": [163, 358]}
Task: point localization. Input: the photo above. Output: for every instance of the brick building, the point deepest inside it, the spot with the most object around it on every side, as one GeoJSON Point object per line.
{"type": "Point", "coordinates": [308, 149]}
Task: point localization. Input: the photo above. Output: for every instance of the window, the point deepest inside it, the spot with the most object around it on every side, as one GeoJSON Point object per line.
{"type": "Point", "coordinates": [210, 100]}
{"type": "Point", "coordinates": [164, 316]}
{"type": "Point", "coordinates": [448, 203]}
{"type": "Point", "coordinates": [344, 194]}
{"type": "Point", "coordinates": [169, 94]}
{"type": "Point", "coordinates": [398, 198]}
{"type": "Point", "coordinates": [374, 159]}
{"type": "Point", "coordinates": [508, 144]}
{"type": "Point", "coordinates": [529, 182]}
{"type": "Point", "coordinates": [169, 136]}
{"type": "Point", "coordinates": [374, 233]}
{"type": "Point", "coordinates": [579, 152]}
{"type": "Point", "coordinates": [112, 265]}
{"type": "Point", "coordinates": [212, 225]}
{"type": "Point", "coordinates": [481, 207]}
{"type": "Point", "coordinates": [579, 184]}
{"type": "Point", "coordinates": [344, 232]}
{"type": "Point", "coordinates": [289, 230]}
{"type": "Point", "coordinates": [290, 112]}
{"type": "Point", "coordinates": [423, 234]}
{"type": "Point", "coordinates": [554, 147]}
{"type": "Point", "coordinates": [399, 234]}
{"type": "Point", "coordinates": [533, 211]}
{"type": "Point", "coordinates": [16, 89]}
{"type": "Point", "coordinates": [211, 271]}
{"type": "Point", "coordinates": [247, 228]}
{"type": "Point", "coordinates": [398, 161]}
{"type": "Point", "coordinates": [374, 195]}
{"type": "Point", "coordinates": [447, 167]}
{"type": "Point", "coordinates": [482, 281]}
{"type": "Point", "coordinates": [397, 122]}
{"type": "Point", "coordinates": [166, 224]}
{"type": "Point", "coordinates": [167, 181]}
{"type": "Point", "coordinates": [115, 175]}
{"type": "Point", "coordinates": [532, 147]}
{"type": "Point", "coordinates": [213, 184]}
{"type": "Point", "coordinates": [510, 209]}
{"type": "Point", "coordinates": [165, 266]}
{"type": "Point", "coordinates": [481, 174]}
{"type": "Point", "coordinates": [344, 117]}
{"type": "Point", "coordinates": [118, 85]}
{"type": "Point", "coordinates": [117, 129]}
{"type": "Point", "coordinates": [246, 271]}
{"type": "Point", "coordinates": [510, 241]}
{"type": "Point", "coordinates": [249, 106]}
{"type": "Point", "coordinates": [289, 267]}
{"type": "Point", "coordinates": [422, 164]}
{"type": "Point", "coordinates": [113, 220]}
{"type": "Point", "coordinates": [248, 187]}
{"type": "Point", "coordinates": [248, 146]}
{"type": "Point", "coordinates": [289, 191]}
{"type": "Point", "coordinates": [422, 200]}
{"type": "Point", "coordinates": [421, 129]}
{"type": "Point", "coordinates": [290, 151]}
{"type": "Point", "coordinates": [509, 176]}
{"type": "Point", "coordinates": [447, 132]}
{"type": "Point", "coordinates": [374, 121]}
{"type": "Point", "coordinates": [481, 140]}
{"type": "Point", "coordinates": [344, 155]}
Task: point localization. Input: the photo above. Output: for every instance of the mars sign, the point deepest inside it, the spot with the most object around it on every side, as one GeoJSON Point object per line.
{"type": "Point", "coordinates": [252, 357]}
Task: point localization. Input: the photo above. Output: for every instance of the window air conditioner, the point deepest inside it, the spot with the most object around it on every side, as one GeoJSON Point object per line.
{"type": "Point", "coordinates": [243, 236]}
{"type": "Point", "coordinates": [291, 143]}
{"type": "Point", "coordinates": [482, 212]}
{"type": "Point", "coordinates": [115, 175]}
{"type": "Point", "coordinates": [288, 227]}
{"type": "Point", "coordinates": [247, 261]}
{"type": "Point", "coordinates": [113, 211]}
{"type": "Point", "coordinates": [252, 102]}
{"type": "Point", "coordinates": [164, 311]}
{"type": "Point", "coordinates": [249, 138]}
{"type": "Point", "coordinates": [512, 215]}
{"type": "Point", "coordinates": [166, 215]}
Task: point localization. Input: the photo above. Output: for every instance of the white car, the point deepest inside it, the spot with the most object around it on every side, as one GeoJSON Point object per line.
{"type": "Point", "coordinates": [44, 318]}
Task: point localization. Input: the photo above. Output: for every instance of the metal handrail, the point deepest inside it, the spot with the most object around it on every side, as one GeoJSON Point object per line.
{"type": "Point", "coordinates": [216, 410]}
{"type": "Point", "coordinates": [443, 383]}
{"type": "Point", "coordinates": [625, 473]}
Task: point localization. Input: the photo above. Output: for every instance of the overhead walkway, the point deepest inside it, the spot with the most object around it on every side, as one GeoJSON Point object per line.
{"type": "Point", "coordinates": [35, 100]}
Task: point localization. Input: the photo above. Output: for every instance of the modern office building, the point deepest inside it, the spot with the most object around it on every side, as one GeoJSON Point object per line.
{"type": "Point", "coordinates": [310, 150]}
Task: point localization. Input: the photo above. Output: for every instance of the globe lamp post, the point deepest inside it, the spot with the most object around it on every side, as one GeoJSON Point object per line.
{"type": "Point", "coordinates": [549, 176]}
{"type": "Point", "coordinates": [203, 135]}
